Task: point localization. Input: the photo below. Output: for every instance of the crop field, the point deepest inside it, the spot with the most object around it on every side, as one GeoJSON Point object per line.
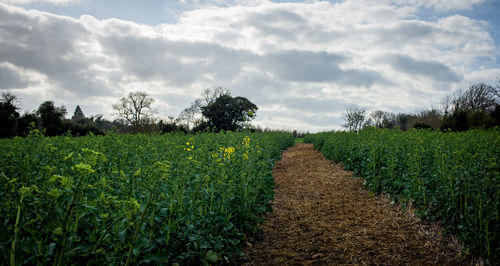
{"type": "Point", "coordinates": [449, 177]}
{"type": "Point", "coordinates": [134, 199]}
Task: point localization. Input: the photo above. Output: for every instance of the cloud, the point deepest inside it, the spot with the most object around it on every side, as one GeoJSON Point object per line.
{"type": "Point", "coordinates": [305, 66]}
{"type": "Point", "coordinates": [10, 78]}
{"type": "Point", "coordinates": [441, 5]}
{"type": "Point", "coordinates": [57, 47]}
{"type": "Point", "coordinates": [431, 69]}
{"type": "Point", "coordinates": [299, 62]}
{"type": "Point", "coordinates": [54, 2]}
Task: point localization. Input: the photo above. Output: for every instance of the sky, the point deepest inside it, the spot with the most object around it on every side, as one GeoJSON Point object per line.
{"type": "Point", "coordinates": [300, 62]}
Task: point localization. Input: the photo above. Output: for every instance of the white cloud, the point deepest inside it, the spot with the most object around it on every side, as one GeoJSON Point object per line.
{"type": "Point", "coordinates": [54, 2]}
{"type": "Point", "coordinates": [301, 63]}
{"type": "Point", "coordinates": [441, 5]}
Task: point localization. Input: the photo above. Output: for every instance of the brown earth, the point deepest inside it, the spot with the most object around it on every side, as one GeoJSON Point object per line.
{"type": "Point", "coordinates": [323, 216]}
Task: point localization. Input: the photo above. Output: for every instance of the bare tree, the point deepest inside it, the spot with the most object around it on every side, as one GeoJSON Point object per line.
{"type": "Point", "coordinates": [354, 117]}
{"type": "Point", "coordinates": [381, 119]}
{"type": "Point", "coordinates": [191, 116]}
{"type": "Point", "coordinates": [431, 117]}
{"type": "Point", "coordinates": [135, 108]}
{"type": "Point", "coordinates": [377, 117]}
{"type": "Point", "coordinates": [210, 95]}
{"type": "Point", "coordinates": [478, 97]}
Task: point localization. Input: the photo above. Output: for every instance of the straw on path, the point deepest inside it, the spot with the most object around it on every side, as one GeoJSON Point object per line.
{"type": "Point", "coordinates": [322, 215]}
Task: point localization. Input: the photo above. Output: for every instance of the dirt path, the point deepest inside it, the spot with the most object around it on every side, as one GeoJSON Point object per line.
{"type": "Point", "coordinates": [321, 215]}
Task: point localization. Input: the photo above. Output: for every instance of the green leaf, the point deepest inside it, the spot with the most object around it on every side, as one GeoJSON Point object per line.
{"type": "Point", "coordinates": [212, 256]}
{"type": "Point", "coordinates": [50, 250]}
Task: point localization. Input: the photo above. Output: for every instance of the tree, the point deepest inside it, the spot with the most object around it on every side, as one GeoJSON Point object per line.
{"type": "Point", "coordinates": [172, 125]}
{"type": "Point", "coordinates": [431, 117]}
{"type": "Point", "coordinates": [383, 119]}
{"type": "Point", "coordinates": [135, 109]}
{"type": "Point", "coordinates": [474, 107]}
{"type": "Point", "coordinates": [354, 117]}
{"type": "Point", "coordinates": [192, 116]}
{"type": "Point", "coordinates": [228, 113]}
{"type": "Point", "coordinates": [8, 115]}
{"type": "Point", "coordinates": [24, 123]}
{"type": "Point", "coordinates": [478, 97]}
{"type": "Point", "coordinates": [78, 114]}
{"type": "Point", "coordinates": [208, 96]}
{"type": "Point", "coordinates": [51, 118]}
{"type": "Point", "coordinates": [189, 116]}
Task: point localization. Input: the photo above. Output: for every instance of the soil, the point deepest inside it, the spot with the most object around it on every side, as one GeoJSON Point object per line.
{"type": "Point", "coordinates": [323, 216]}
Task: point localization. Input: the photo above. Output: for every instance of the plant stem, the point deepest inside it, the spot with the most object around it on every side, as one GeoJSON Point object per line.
{"type": "Point", "coordinates": [138, 226]}
{"type": "Point", "coordinates": [16, 230]}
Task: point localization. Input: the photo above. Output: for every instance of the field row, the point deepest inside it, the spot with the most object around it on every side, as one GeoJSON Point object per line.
{"type": "Point", "coordinates": [450, 177]}
{"type": "Point", "coordinates": [134, 199]}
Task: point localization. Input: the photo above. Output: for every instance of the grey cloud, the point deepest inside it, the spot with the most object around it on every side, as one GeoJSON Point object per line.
{"type": "Point", "coordinates": [322, 120]}
{"type": "Point", "coordinates": [305, 66]}
{"type": "Point", "coordinates": [312, 120]}
{"type": "Point", "coordinates": [11, 79]}
{"type": "Point", "coordinates": [314, 105]}
{"type": "Point", "coordinates": [287, 26]}
{"type": "Point", "coordinates": [277, 16]}
{"type": "Point", "coordinates": [406, 31]}
{"type": "Point", "coordinates": [279, 23]}
{"type": "Point", "coordinates": [179, 62]}
{"type": "Point", "coordinates": [433, 70]}
{"type": "Point", "coordinates": [182, 63]}
{"type": "Point", "coordinates": [48, 44]}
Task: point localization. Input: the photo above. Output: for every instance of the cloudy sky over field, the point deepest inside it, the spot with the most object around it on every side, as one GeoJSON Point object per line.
{"type": "Point", "coordinates": [301, 62]}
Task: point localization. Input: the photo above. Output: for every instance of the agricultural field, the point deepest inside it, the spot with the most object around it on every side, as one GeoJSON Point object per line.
{"type": "Point", "coordinates": [453, 178]}
{"type": "Point", "coordinates": [134, 199]}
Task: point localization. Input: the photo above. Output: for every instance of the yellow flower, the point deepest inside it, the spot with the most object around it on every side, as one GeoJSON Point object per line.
{"type": "Point", "coordinates": [246, 142]}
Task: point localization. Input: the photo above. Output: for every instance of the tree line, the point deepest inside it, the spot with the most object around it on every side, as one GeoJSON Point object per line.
{"type": "Point", "coordinates": [215, 110]}
{"type": "Point", "coordinates": [475, 107]}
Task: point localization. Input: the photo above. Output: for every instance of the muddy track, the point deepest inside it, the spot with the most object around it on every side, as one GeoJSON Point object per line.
{"type": "Point", "coordinates": [321, 215]}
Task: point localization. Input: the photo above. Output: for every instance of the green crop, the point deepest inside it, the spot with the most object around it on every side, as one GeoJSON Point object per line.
{"type": "Point", "coordinates": [134, 199]}
{"type": "Point", "coordinates": [451, 177]}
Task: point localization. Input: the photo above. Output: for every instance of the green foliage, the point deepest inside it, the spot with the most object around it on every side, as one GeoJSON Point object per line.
{"type": "Point", "coordinates": [172, 127]}
{"type": "Point", "coordinates": [51, 118]}
{"type": "Point", "coordinates": [134, 199]}
{"type": "Point", "coordinates": [463, 120]}
{"type": "Point", "coordinates": [228, 113]}
{"type": "Point", "coordinates": [421, 125]}
{"type": "Point", "coordinates": [81, 129]}
{"type": "Point", "coordinates": [451, 177]}
{"type": "Point", "coordinates": [8, 115]}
